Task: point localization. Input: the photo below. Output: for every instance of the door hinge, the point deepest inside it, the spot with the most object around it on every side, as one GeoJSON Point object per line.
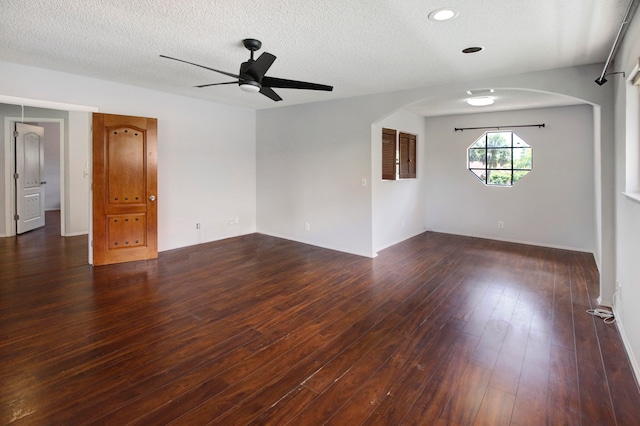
{"type": "Point", "coordinates": [16, 133]}
{"type": "Point", "coordinates": [16, 217]}
{"type": "Point", "coordinates": [16, 176]}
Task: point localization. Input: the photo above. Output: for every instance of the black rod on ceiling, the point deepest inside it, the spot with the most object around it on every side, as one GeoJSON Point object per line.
{"type": "Point", "coordinates": [628, 16]}
{"type": "Point", "coordinates": [460, 129]}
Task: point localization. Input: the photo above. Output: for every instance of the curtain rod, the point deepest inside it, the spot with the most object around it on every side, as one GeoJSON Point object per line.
{"type": "Point", "coordinates": [631, 10]}
{"type": "Point", "coordinates": [460, 129]}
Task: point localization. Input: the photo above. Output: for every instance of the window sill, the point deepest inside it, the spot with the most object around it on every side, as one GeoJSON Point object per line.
{"type": "Point", "coordinates": [635, 196]}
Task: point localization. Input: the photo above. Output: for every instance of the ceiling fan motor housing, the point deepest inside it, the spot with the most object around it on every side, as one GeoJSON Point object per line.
{"type": "Point", "coordinates": [247, 77]}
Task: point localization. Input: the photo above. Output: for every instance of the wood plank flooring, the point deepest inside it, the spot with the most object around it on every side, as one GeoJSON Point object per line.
{"type": "Point", "coordinates": [257, 330]}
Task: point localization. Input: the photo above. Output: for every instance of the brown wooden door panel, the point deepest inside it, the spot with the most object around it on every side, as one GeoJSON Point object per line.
{"type": "Point", "coordinates": [389, 154]}
{"type": "Point", "coordinates": [124, 188]}
{"type": "Point", "coordinates": [408, 157]}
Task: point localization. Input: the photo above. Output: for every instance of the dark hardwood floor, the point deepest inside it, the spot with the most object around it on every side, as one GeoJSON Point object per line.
{"type": "Point", "coordinates": [439, 329]}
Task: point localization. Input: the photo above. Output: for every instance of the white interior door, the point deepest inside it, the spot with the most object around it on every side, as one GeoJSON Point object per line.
{"type": "Point", "coordinates": [29, 177]}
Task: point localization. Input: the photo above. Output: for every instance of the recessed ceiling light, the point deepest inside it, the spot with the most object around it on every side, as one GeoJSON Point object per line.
{"type": "Point", "coordinates": [443, 14]}
{"type": "Point", "coordinates": [480, 101]}
{"type": "Point", "coordinates": [473, 49]}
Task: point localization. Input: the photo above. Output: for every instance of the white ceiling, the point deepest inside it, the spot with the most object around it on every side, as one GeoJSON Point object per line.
{"type": "Point", "coordinates": [360, 47]}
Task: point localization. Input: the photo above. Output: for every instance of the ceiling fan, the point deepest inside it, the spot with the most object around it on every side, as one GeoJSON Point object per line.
{"type": "Point", "coordinates": [251, 77]}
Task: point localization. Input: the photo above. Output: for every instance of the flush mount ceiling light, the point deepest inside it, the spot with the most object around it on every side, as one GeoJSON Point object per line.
{"type": "Point", "coordinates": [480, 101]}
{"type": "Point", "coordinates": [443, 14]}
{"type": "Point", "coordinates": [473, 49]}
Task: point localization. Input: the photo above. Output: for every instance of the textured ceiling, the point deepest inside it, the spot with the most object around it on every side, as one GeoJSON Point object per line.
{"type": "Point", "coordinates": [360, 47]}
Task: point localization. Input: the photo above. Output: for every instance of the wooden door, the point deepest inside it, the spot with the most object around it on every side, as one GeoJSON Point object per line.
{"type": "Point", "coordinates": [124, 188]}
{"type": "Point", "coordinates": [29, 177]}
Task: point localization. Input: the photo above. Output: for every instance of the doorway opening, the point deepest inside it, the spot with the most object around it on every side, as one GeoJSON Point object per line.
{"type": "Point", "coordinates": [71, 193]}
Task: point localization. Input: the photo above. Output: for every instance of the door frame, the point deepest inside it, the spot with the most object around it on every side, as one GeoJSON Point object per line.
{"type": "Point", "coordinates": [108, 215]}
{"type": "Point", "coordinates": [10, 169]}
{"type": "Point", "coordinates": [8, 142]}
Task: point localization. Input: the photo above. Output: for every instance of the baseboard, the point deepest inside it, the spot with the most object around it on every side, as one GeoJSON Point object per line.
{"type": "Point", "coordinates": [597, 260]}
{"type": "Point", "coordinates": [422, 231]}
{"type": "Point", "coordinates": [627, 346]}
{"type": "Point", "coordinates": [75, 234]}
{"type": "Point", "coordinates": [512, 240]}
{"type": "Point", "coordinates": [317, 245]}
{"type": "Point", "coordinates": [190, 244]}
{"type": "Point", "coordinates": [604, 303]}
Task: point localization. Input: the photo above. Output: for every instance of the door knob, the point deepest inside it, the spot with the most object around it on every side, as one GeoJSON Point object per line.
{"type": "Point", "coordinates": [152, 198]}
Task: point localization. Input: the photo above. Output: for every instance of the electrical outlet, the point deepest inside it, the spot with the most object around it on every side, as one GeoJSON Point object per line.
{"type": "Point", "coordinates": [232, 221]}
{"type": "Point", "coordinates": [197, 225]}
{"type": "Point", "coordinates": [307, 227]}
{"type": "Point", "coordinates": [237, 219]}
{"type": "Point", "coordinates": [364, 182]}
{"type": "Point", "coordinates": [500, 224]}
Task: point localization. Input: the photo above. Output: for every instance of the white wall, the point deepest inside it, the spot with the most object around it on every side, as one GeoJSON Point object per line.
{"type": "Point", "coordinates": [398, 205]}
{"type": "Point", "coordinates": [626, 304]}
{"type": "Point", "coordinates": [206, 151]}
{"type": "Point", "coordinates": [550, 206]}
{"type": "Point", "coordinates": [311, 162]}
{"type": "Point", "coordinates": [76, 159]}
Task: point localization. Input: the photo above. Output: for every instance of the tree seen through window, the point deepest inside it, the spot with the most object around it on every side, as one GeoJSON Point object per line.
{"type": "Point", "coordinates": [500, 158]}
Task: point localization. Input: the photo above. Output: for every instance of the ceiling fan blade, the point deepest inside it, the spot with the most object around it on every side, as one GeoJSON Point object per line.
{"type": "Point", "coordinates": [293, 84]}
{"type": "Point", "coordinates": [268, 92]}
{"type": "Point", "coordinates": [201, 66]}
{"type": "Point", "coordinates": [216, 84]}
{"type": "Point", "coordinates": [259, 67]}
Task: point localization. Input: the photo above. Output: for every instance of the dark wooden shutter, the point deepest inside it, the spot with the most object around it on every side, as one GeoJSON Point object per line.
{"type": "Point", "coordinates": [408, 158]}
{"type": "Point", "coordinates": [389, 154]}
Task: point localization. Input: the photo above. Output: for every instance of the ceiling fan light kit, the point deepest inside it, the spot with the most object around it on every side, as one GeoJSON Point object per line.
{"type": "Point", "coordinates": [251, 77]}
{"type": "Point", "coordinates": [250, 86]}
